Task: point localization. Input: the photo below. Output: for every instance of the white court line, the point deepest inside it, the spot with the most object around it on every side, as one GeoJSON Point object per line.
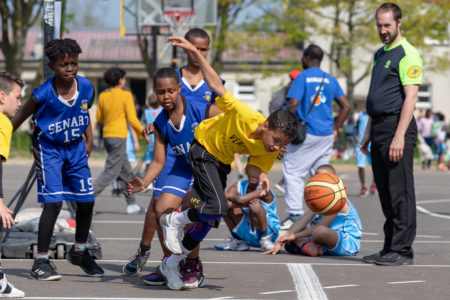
{"type": "Point", "coordinates": [277, 292]}
{"type": "Point", "coordinates": [433, 201]}
{"type": "Point", "coordinates": [427, 212]}
{"type": "Point", "coordinates": [306, 282]}
{"type": "Point", "coordinates": [339, 286]}
{"type": "Point", "coordinates": [402, 282]}
{"type": "Point", "coordinates": [429, 236]}
{"type": "Point", "coordinates": [117, 222]}
{"type": "Point", "coordinates": [106, 298]}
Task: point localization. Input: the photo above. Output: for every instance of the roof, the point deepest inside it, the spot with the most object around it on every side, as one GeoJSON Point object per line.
{"type": "Point", "coordinates": [110, 46]}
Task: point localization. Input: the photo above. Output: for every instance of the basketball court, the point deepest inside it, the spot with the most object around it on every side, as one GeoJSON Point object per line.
{"type": "Point", "coordinates": [251, 275]}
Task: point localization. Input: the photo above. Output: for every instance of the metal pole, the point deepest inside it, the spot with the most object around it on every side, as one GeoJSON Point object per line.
{"type": "Point", "coordinates": [49, 31]}
{"type": "Point", "coordinates": [155, 32]}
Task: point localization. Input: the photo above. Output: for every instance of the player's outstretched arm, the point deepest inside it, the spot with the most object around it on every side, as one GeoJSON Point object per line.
{"type": "Point", "coordinates": [27, 110]}
{"type": "Point", "coordinates": [154, 169]}
{"type": "Point", "coordinates": [211, 77]}
{"type": "Point", "coordinates": [244, 200]}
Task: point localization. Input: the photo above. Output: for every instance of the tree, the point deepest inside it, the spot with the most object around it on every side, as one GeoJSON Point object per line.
{"type": "Point", "coordinates": [347, 29]}
{"type": "Point", "coordinates": [17, 17]}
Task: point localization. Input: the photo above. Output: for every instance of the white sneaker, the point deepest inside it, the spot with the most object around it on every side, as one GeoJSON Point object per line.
{"type": "Point", "coordinates": [232, 244]}
{"type": "Point", "coordinates": [280, 188]}
{"type": "Point", "coordinates": [134, 209]}
{"type": "Point", "coordinates": [266, 243]}
{"type": "Point", "coordinates": [172, 233]}
{"type": "Point", "coordinates": [148, 188]}
{"type": "Point", "coordinates": [171, 274]}
{"type": "Point", "coordinates": [287, 223]}
{"type": "Point", "coordinates": [7, 290]}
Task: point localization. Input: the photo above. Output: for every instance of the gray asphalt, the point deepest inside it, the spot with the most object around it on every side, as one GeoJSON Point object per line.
{"type": "Point", "coordinates": [251, 275]}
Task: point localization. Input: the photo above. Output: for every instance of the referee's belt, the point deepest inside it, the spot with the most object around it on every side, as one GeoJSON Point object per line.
{"type": "Point", "coordinates": [383, 117]}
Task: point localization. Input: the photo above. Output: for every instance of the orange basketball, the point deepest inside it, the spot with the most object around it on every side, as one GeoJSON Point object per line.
{"type": "Point", "coordinates": [325, 194]}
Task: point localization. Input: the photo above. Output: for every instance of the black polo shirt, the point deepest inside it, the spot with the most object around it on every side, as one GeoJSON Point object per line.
{"type": "Point", "coordinates": [393, 68]}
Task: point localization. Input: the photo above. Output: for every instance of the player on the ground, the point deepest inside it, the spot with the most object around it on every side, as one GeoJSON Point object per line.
{"type": "Point", "coordinates": [10, 92]}
{"type": "Point", "coordinates": [337, 234]}
{"type": "Point", "coordinates": [61, 106]}
{"type": "Point", "coordinates": [239, 129]}
{"type": "Point", "coordinates": [252, 219]}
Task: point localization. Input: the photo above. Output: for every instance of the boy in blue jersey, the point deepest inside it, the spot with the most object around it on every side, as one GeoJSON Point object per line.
{"type": "Point", "coordinates": [174, 129]}
{"type": "Point", "coordinates": [252, 219]}
{"type": "Point", "coordinates": [192, 85]}
{"type": "Point", "coordinates": [337, 234]}
{"type": "Point", "coordinates": [62, 142]}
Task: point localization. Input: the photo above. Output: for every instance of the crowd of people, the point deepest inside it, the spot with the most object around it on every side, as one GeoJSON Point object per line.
{"type": "Point", "coordinates": [195, 128]}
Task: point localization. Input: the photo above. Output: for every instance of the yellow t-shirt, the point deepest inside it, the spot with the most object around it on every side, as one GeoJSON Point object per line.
{"type": "Point", "coordinates": [5, 136]}
{"type": "Point", "coordinates": [228, 133]}
{"type": "Point", "coordinates": [115, 109]}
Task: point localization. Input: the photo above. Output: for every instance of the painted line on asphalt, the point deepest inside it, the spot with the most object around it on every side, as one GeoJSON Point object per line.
{"type": "Point", "coordinates": [432, 214]}
{"type": "Point", "coordinates": [339, 286]}
{"type": "Point", "coordinates": [306, 282]}
{"type": "Point", "coordinates": [115, 298]}
{"type": "Point", "coordinates": [277, 292]}
{"type": "Point", "coordinates": [403, 282]}
{"type": "Point", "coordinates": [433, 201]}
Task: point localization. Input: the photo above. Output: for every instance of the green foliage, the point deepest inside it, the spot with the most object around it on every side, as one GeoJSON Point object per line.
{"type": "Point", "coordinates": [20, 144]}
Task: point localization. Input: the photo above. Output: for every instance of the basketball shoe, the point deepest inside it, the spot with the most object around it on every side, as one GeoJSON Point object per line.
{"type": "Point", "coordinates": [232, 244]}
{"type": "Point", "coordinates": [364, 192]}
{"type": "Point", "coordinates": [7, 290]}
{"type": "Point", "coordinates": [44, 269]}
{"type": "Point", "coordinates": [172, 232]}
{"type": "Point", "coordinates": [287, 223]}
{"type": "Point", "coordinates": [153, 279]}
{"type": "Point", "coordinates": [136, 262]}
{"type": "Point", "coordinates": [191, 271]}
{"type": "Point", "coordinates": [171, 274]}
{"type": "Point", "coordinates": [266, 243]}
{"type": "Point", "coordinates": [86, 261]}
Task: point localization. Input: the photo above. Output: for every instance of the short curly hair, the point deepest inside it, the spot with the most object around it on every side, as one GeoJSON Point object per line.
{"type": "Point", "coordinates": [113, 75]}
{"type": "Point", "coordinates": [285, 121]}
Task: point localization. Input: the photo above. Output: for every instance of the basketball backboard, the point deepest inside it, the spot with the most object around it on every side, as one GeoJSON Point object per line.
{"type": "Point", "coordinates": [139, 15]}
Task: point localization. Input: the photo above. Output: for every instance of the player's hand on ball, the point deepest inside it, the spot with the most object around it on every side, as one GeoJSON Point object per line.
{"type": "Point", "coordinates": [135, 185]}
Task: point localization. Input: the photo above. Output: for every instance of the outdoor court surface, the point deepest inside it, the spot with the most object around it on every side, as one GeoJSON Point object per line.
{"type": "Point", "coordinates": [251, 275]}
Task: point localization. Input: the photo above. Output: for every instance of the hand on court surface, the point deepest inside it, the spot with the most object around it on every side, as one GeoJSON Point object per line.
{"type": "Point", "coordinates": [396, 148]}
{"type": "Point", "coordinates": [181, 42]}
{"type": "Point", "coordinates": [274, 250]}
{"type": "Point", "coordinates": [135, 185]}
{"type": "Point", "coordinates": [5, 214]}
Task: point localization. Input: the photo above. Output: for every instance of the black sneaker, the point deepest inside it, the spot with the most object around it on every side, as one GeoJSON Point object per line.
{"type": "Point", "coordinates": [370, 259]}
{"type": "Point", "coordinates": [136, 263]}
{"type": "Point", "coordinates": [44, 269]}
{"type": "Point", "coordinates": [394, 259]}
{"type": "Point", "coordinates": [86, 261]}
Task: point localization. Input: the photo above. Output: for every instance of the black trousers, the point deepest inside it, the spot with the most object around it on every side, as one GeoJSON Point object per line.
{"type": "Point", "coordinates": [395, 184]}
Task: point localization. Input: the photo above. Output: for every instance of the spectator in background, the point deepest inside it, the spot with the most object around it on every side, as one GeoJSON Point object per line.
{"type": "Point", "coordinates": [115, 109]}
{"type": "Point", "coordinates": [424, 126]}
{"type": "Point", "coordinates": [361, 158]}
{"type": "Point", "coordinates": [439, 140]}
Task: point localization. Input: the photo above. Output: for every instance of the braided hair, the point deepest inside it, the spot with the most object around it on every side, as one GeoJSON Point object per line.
{"type": "Point", "coordinates": [59, 48]}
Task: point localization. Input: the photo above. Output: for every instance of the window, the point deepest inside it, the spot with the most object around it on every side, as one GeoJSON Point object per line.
{"type": "Point", "coordinates": [424, 96]}
{"type": "Point", "coordinates": [245, 90]}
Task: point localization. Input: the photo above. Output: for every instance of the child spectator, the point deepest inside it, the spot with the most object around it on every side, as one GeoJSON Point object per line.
{"type": "Point", "coordinates": [61, 106]}
{"type": "Point", "coordinates": [252, 219]}
{"type": "Point", "coordinates": [337, 234]}
{"type": "Point", "coordinates": [10, 92]}
{"type": "Point", "coordinates": [115, 109]}
{"type": "Point", "coordinates": [148, 117]}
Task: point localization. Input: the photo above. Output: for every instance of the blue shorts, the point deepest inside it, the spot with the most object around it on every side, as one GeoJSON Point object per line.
{"type": "Point", "coordinates": [62, 171]}
{"type": "Point", "coordinates": [250, 235]}
{"type": "Point", "coordinates": [346, 245]}
{"type": "Point", "coordinates": [176, 178]}
{"type": "Point", "coordinates": [361, 159]}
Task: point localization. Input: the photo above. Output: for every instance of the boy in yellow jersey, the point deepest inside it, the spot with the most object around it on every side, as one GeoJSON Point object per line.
{"type": "Point", "coordinates": [10, 92]}
{"type": "Point", "coordinates": [115, 109]}
{"type": "Point", "coordinates": [239, 129]}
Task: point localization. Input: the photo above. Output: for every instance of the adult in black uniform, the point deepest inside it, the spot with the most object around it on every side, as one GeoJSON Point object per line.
{"type": "Point", "coordinates": [396, 76]}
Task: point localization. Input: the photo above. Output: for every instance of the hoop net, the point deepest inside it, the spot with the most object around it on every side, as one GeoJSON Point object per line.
{"type": "Point", "coordinates": [179, 19]}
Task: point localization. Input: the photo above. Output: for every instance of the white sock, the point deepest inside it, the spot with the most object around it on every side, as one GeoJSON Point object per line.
{"type": "Point", "coordinates": [175, 259]}
{"type": "Point", "coordinates": [181, 218]}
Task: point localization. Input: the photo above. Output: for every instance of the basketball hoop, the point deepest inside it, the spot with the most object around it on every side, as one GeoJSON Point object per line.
{"type": "Point", "coordinates": [179, 18]}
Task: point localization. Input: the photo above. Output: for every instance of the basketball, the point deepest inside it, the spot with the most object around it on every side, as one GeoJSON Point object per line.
{"type": "Point", "coordinates": [325, 194]}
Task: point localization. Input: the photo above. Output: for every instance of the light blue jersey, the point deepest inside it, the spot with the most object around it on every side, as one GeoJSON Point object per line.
{"type": "Point", "coordinates": [349, 228]}
{"type": "Point", "coordinates": [244, 229]}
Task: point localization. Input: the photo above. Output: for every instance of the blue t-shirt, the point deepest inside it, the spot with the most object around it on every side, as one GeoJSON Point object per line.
{"type": "Point", "coordinates": [60, 121]}
{"type": "Point", "coordinates": [320, 120]}
{"type": "Point", "coordinates": [201, 90]}
{"type": "Point", "coordinates": [180, 139]}
{"type": "Point", "coordinates": [348, 223]}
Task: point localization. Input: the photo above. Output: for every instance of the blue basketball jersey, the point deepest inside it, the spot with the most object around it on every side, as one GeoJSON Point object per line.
{"type": "Point", "coordinates": [201, 90]}
{"type": "Point", "coordinates": [62, 122]}
{"type": "Point", "coordinates": [180, 139]}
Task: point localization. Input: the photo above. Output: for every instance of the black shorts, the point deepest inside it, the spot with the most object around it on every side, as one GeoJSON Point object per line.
{"type": "Point", "coordinates": [210, 180]}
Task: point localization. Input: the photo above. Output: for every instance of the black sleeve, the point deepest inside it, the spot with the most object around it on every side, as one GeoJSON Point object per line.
{"type": "Point", "coordinates": [208, 109]}
{"type": "Point", "coordinates": [1, 176]}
